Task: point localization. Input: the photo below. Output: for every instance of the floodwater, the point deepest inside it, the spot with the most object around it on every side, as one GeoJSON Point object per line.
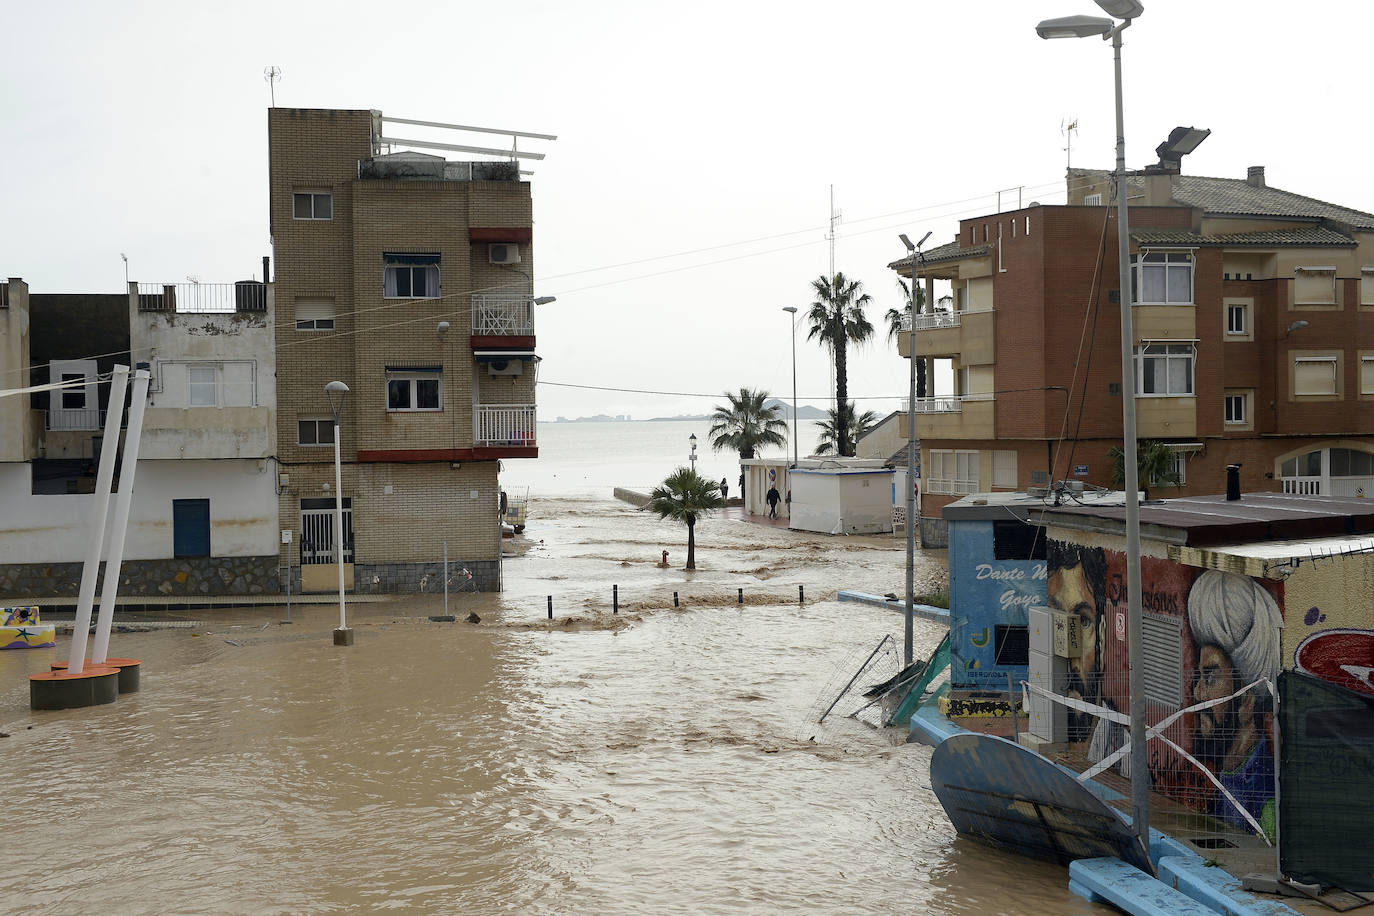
{"type": "Point", "coordinates": [656, 760]}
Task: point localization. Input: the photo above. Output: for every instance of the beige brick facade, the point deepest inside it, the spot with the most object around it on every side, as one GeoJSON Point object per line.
{"type": "Point", "coordinates": [416, 478]}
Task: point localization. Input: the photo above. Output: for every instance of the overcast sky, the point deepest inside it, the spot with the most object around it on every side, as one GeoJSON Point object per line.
{"type": "Point", "coordinates": [686, 199]}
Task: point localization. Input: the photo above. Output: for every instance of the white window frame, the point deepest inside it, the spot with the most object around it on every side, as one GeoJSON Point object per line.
{"type": "Point", "coordinates": [953, 471]}
{"type": "Point", "coordinates": [1367, 373]}
{"type": "Point", "coordinates": [392, 273]}
{"type": "Point", "coordinates": [1170, 262]}
{"type": "Point", "coordinates": [1367, 286]}
{"type": "Point", "coordinates": [1172, 351]}
{"type": "Point", "coordinates": [1333, 360]}
{"type": "Point", "coordinates": [1092, 200]}
{"type": "Point", "coordinates": [312, 200]}
{"type": "Point", "coordinates": [1236, 408]}
{"type": "Point", "coordinates": [1329, 272]}
{"type": "Point", "coordinates": [196, 388]}
{"type": "Point", "coordinates": [411, 381]}
{"type": "Point", "coordinates": [74, 394]}
{"type": "Point", "coordinates": [1004, 469]}
{"type": "Point", "coordinates": [1236, 328]}
{"type": "Point", "coordinates": [319, 315]}
{"type": "Point", "coordinates": [320, 425]}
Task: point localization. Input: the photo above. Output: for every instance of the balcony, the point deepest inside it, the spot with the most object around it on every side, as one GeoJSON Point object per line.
{"type": "Point", "coordinates": [502, 315]}
{"type": "Point", "coordinates": [968, 334]}
{"type": "Point", "coordinates": [243, 296]}
{"type": "Point", "coordinates": [504, 430]}
{"type": "Point", "coordinates": [969, 416]}
{"type": "Point", "coordinates": [74, 418]}
{"type": "Point", "coordinates": [931, 321]}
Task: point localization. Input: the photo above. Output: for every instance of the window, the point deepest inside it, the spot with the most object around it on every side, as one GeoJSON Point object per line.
{"type": "Point", "coordinates": [1164, 370]}
{"type": "Point", "coordinates": [1314, 286]}
{"type": "Point", "coordinates": [1178, 466]}
{"type": "Point", "coordinates": [1004, 469]}
{"type": "Point", "coordinates": [314, 314]}
{"type": "Point", "coordinates": [1367, 286]}
{"type": "Point", "coordinates": [954, 472]}
{"type": "Point", "coordinates": [1314, 375]}
{"type": "Point", "coordinates": [73, 398]}
{"type": "Point", "coordinates": [416, 389]}
{"type": "Point", "coordinates": [1092, 200]}
{"type": "Point", "coordinates": [1236, 413]}
{"type": "Point", "coordinates": [1017, 541]}
{"type": "Point", "coordinates": [1236, 320]}
{"type": "Point", "coordinates": [191, 527]}
{"type": "Point", "coordinates": [1366, 374]}
{"type": "Point", "coordinates": [312, 205]}
{"type": "Point", "coordinates": [411, 276]}
{"type": "Point", "coordinates": [315, 432]}
{"type": "Point", "coordinates": [961, 298]}
{"type": "Point", "coordinates": [204, 387]}
{"type": "Point", "coordinates": [1163, 277]}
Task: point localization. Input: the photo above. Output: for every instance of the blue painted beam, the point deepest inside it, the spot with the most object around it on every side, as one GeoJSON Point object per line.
{"type": "Point", "coordinates": [1217, 889]}
{"type": "Point", "coordinates": [1126, 887]}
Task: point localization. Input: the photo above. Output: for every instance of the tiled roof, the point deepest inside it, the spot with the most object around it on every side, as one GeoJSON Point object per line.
{"type": "Point", "coordinates": [1237, 197]}
{"type": "Point", "coordinates": [947, 252]}
{"type": "Point", "coordinates": [1304, 236]}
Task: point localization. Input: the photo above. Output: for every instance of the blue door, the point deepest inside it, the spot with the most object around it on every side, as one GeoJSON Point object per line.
{"type": "Point", "coordinates": [191, 527]}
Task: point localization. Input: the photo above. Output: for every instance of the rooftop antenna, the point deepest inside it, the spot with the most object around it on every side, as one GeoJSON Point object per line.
{"type": "Point", "coordinates": [272, 73]}
{"type": "Point", "coordinates": [1068, 131]}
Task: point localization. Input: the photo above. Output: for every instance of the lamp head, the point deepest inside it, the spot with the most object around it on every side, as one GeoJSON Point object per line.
{"type": "Point", "coordinates": [1295, 326]}
{"type": "Point", "coordinates": [1121, 9]}
{"type": "Point", "coordinates": [545, 300]}
{"type": "Point", "coordinates": [443, 329]}
{"type": "Point", "coordinates": [906, 241]}
{"type": "Point", "coordinates": [336, 391]}
{"type": "Point", "coordinates": [1074, 27]}
{"type": "Point", "coordinates": [791, 309]}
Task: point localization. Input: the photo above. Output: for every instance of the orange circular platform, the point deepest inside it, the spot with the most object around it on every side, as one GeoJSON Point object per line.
{"type": "Point", "coordinates": [129, 671]}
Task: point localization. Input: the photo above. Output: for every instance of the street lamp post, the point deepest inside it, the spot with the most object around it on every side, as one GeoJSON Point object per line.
{"type": "Point", "coordinates": [336, 392]}
{"type": "Point", "coordinates": [692, 457]}
{"type": "Point", "coordinates": [1084, 27]}
{"type": "Point", "coordinates": [792, 311]}
{"type": "Point", "coordinates": [909, 644]}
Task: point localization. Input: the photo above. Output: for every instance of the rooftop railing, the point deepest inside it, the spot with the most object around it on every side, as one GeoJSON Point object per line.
{"type": "Point", "coordinates": [243, 296]}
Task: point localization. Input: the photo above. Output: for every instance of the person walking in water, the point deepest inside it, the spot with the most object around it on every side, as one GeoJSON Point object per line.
{"type": "Point", "coordinates": [773, 498]}
{"type": "Point", "coordinates": [724, 489]}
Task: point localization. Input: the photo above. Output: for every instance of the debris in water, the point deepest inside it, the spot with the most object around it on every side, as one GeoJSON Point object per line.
{"type": "Point", "coordinates": [473, 618]}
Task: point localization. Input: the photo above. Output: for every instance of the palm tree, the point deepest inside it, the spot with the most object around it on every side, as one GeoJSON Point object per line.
{"type": "Point", "coordinates": [1156, 465]}
{"type": "Point", "coordinates": [685, 496]}
{"type": "Point", "coordinates": [895, 330]}
{"type": "Point", "coordinates": [746, 425]}
{"type": "Point", "coordinates": [857, 426]}
{"type": "Point", "coordinates": [837, 318]}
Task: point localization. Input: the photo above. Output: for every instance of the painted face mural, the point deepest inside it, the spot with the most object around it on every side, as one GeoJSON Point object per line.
{"type": "Point", "coordinates": [1236, 628]}
{"type": "Point", "coordinates": [1077, 585]}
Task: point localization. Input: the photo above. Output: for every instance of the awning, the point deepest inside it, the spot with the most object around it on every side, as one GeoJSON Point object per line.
{"type": "Point", "coordinates": [487, 356]}
{"type": "Point", "coordinates": [1184, 446]}
{"type": "Point", "coordinates": [394, 257]}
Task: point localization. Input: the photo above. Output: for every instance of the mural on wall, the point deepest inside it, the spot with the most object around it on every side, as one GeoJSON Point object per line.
{"type": "Point", "coordinates": [1228, 630]}
{"type": "Point", "coordinates": [1330, 635]}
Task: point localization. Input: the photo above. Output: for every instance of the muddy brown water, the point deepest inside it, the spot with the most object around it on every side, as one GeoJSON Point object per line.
{"type": "Point", "coordinates": [658, 760]}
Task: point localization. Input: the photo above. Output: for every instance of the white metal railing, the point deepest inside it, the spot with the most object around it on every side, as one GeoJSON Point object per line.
{"type": "Point", "coordinates": [1303, 486]}
{"type": "Point", "coordinates": [504, 424]}
{"type": "Point", "coordinates": [948, 403]}
{"type": "Point", "coordinates": [954, 486]}
{"type": "Point", "coordinates": [245, 296]}
{"type": "Point", "coordinates": [74, 418]}
{"type": "Point", "coordinates": [503, 314]}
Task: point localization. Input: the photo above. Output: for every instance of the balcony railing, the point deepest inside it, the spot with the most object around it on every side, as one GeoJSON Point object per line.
{"type": "Point", "coordinates": [243, 296]}
{"type": "Point", "coordinates": [74, 418]}
{"type": "Point", "coordinates": [932, 321]}
{"type": "Point", "coordinates": [504, 424]}
{"type": "Point", "coordinates": [503, 314]}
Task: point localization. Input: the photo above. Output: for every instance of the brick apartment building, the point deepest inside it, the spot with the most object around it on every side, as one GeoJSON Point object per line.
{"type": "Point", "coordinates": [408, 278]}
{"type": "Point", "coordinates": [1254, 327]}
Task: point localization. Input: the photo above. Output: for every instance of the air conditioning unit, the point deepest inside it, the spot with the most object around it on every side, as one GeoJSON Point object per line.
{"type": "Point", "coordinates": [504, 253]}
{"type": "Point", "coordinates": [506, 367]}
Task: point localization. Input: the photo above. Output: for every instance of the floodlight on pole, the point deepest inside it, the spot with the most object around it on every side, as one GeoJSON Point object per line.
{"type": "Point", "coordinates": [792, 311]}
{"type": "Point", "coordinates": [1084, 27]}
{"type": "Point", "coordinates": [336, 391]}
{"type": "Point", "coordinates": [911, 470]}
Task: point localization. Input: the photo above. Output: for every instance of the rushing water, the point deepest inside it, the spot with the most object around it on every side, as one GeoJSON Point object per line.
{"type": "Point", "coordinates": [656, 760]}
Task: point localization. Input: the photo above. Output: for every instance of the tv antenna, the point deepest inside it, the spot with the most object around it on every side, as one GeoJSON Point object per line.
{"type": "Point", "coordinates": [1068, 131]}
{"type": "Point", "coordinates": [272, 73]}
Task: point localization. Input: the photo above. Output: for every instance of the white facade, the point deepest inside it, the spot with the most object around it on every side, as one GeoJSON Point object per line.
{"type": "Point", "coordinates": [53, 528]}
{"type": "Point", "coordinates": [842, 500]}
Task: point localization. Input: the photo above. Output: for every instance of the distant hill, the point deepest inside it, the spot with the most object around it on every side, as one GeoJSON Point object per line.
{"type": "Point", "coordinates": [804, 412]}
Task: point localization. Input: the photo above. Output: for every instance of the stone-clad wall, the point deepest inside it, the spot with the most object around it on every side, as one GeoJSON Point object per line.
{"type": "Point", "coordinates": [185, 576]}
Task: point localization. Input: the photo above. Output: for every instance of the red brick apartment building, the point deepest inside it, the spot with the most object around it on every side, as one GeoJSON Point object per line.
{"type": "Point", "coordinates": [1254, 327]}
{"type": "Point", "coordinates": [408, 278]}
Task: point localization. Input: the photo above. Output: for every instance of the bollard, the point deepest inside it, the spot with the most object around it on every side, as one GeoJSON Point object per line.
{"type": "Point", "coordinates": [801, 594]}
{"type": "Point", "coordinates": [674, 599]}
{"type": "Point", "coordinates": [551, 607]}
{"type": "Point", "coordinates": [615, 599]}
{"type": "Point", "coordinates": [741, 596]}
